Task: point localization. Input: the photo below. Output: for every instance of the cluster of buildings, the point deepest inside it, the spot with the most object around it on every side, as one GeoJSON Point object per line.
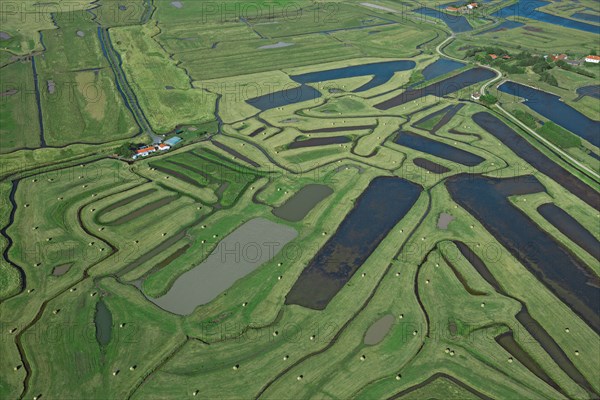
{"type": "Point", "coordinates": [495, 56]}
{"type": "Point", "coordinates": [593, 59]}
{"type": "Point", "coordinates": [563, 57]}
{"type": "Point", "coordinates": [463, 9]}
{"type": "Point", "coordinates": [147, 150]}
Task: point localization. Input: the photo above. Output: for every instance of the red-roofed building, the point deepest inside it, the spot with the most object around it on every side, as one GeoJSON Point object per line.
{"type": "Point", "coordinates": [493, 56]}
{"type": "Point", "coordinates": [558, 57]}
{"type": "Point", "coordinates": [163, 147]}
{"type": "Point", "coordinates": [593, 59]}
{"type": "Point", "coordinates": [506, 57]}
{"type": "Point", "coordinates": [144, 151]}
{"type": "Point", "coordinates": [453, 9]}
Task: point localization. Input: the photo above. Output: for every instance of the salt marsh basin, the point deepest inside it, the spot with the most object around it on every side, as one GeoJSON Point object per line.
{"type": "Point", "coordinates": [248, 247]}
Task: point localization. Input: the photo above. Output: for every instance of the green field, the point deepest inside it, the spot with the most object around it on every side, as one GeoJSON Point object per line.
{"type": "Point", "coordinates": [91, 240]}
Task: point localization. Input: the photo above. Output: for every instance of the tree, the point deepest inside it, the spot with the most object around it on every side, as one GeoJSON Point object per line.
{"type": "Point", "coordinates": [125, 150]}
{"type": "Point", "coordinates": [489, 99]}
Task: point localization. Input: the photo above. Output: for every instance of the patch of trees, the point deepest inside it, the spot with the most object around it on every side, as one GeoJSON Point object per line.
{"type": "Point", "coordinates": [568, 67]}
{"type": "Point", "coordinates": [126, 150]}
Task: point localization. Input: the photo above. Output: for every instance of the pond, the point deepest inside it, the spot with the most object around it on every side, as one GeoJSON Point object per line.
{"type": "Point", "coordinates": [457, 23]}
{"type": "Point", "coordinates": [438, 149]}
{"type": "Point", "coordinates": [237, 255]}
{"type": "Point", "coordinates": [379, 330]}
{"type": "Point", "coordinates": [321, 141]}
{"type": "Point", "coordinates": [302, 202]}
{"type": "Point", "coordinates": [506, 25]}
{"type": "Point", "coordinates": [550, 106]}
{"type": "Point", "coordinates": [430, 166]}
{"type": "Point", "coordinates": [554, 266]}
{"type": "Point", "coordinates": [528, 9]}
{"type": "Point", "coordinates": [284, 97]}
{"type": "Point", "coordinates": [571, 228]}
{"type": "Point", "coordinates": [103, 323]}
{"type": "Point", "coordinates": [376, 211]}
{"type": "Point", "coordinates": [381, 72]}
{"type": "Point", "coordinates": [440, 89]}
{"type": "Point", "coordinates": [587, 17]}
{"type": "Point", "coordinates": [441, 67]}
{"type": "Point", "coordinates": [538, 160]}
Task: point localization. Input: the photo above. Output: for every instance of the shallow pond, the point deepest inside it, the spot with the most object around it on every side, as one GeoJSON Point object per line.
{"type": "Point", "coordinates": [301, 203]}
{"type": "Point", "coordinates": [379, 329]}
{"type": "Point", "coordinates": [237, 255]}
{"type": "Point", "coordinates": [320, 141]}
{"type": "Point", "coordinates": [103, 322]}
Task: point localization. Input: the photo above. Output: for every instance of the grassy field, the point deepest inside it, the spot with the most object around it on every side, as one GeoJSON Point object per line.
{"type": "Point", "coordinates": [95, 236]}
{"type": "Point", "coordinates": [159, 82]}
{"type": "Point", "coordinates": [19, 126]}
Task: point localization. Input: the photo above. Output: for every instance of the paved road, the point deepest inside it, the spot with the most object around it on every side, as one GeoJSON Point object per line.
{"type": "Point", "coordinates": [565, 156]}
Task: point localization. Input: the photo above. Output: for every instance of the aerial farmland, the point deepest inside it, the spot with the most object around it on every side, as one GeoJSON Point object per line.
{"type": "Point", "coordinates": [299, 199]}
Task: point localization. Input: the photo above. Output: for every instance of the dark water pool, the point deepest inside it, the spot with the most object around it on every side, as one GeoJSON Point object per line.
{"type": "Point", "coordinates": [377, 210]}
{"type": "Point", "coordinates": [528, 9]}
{"type": "Point", "coordinates": [440, 89]}
{"type": "Point", "coordinates": [438, 149]}
{"type": "Point", "coordinates": [565, 275]}
{"type": "Point", "coordinates": [550, 106]}
{"type": "Point", "coordinates": [538, 160]}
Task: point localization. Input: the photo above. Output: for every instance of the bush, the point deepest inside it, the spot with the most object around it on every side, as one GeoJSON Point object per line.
{"type": "Point", "coordinates": [525, 118]}
{"type": "Point", "coordinates": [489, 99]}
{"type": "Point", "coordinates": [125, 150]}
{"type": "Point", "coordinates": [548, 78]}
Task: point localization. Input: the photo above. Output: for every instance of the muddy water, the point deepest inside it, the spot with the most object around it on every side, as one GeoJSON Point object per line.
{"type": "Point", "coordinates": [61, 269]}
{"type": "Point", "coordinates": [301, 203]}
{"type": "Point", "coordinates": [565, 275]}
{"type": "Point", "coordinates": [321, 141]}
{"type": "Point", "coordinates": [377, 210]}
{"type": "Point", "coordinates": [103, 322]}
{"type": "Point", "coordinates": [379, 330]}
{"type": "Point", "coordinates": [444, 220]}
{"type": "Point", "coordinates": [237, 255]}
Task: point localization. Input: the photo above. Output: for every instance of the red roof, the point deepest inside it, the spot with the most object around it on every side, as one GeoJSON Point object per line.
{"type": "Point", "coordinates": [493, 56]}
{"type": "Point", "coordinates": [450, 8]}
{"type": "Point", "coordinates": [593, 57]}
{"type": "Point", "coordinates": [557, 57]}
{"type": "Point", "coordinates": [506, 56]}
{"type": "Point", "coordinates": [146, 150]}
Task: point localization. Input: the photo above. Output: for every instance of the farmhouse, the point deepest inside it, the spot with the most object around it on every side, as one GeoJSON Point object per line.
{"type": "Point", "coordinates": [163, 147]}
{"type": "Point", "coordinates": [558, 57]}
{"type": "Point", "coordinates": [493, 56]}
{"type": "Point", "coordinates": [593, 59]}
{"type": "Point", "coordinates": [476, 96]}
{"type": "Point", "coordinates": [143, 152]}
